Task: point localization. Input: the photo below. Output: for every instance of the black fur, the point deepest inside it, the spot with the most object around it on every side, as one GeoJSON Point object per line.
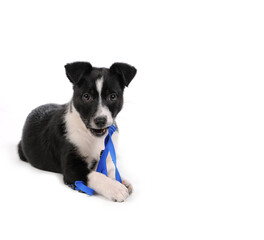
{"type": "Point", "coordinates": [44, 144]}
{"type": "Point", "coordinates": [126, 72]}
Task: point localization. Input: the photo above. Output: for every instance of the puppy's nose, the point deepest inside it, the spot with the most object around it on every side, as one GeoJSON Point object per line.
{"type": "Point", "coordinates": [100, 121]}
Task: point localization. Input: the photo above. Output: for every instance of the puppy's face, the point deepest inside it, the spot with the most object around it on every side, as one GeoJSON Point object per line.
{"type": "Point", "coordinates": [98, 97]}
{"type": "Point", "coordinates": [98, 93]}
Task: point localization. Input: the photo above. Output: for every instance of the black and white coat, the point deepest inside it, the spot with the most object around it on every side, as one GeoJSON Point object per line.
{"type": "Point", "coordinates": [69, 138]}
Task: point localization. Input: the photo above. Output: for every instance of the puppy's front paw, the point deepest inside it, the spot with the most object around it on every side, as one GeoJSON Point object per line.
{"type": "Point", "coordinates": [128, 185]}
{"type": "Point", "coordinates": [115, 191]}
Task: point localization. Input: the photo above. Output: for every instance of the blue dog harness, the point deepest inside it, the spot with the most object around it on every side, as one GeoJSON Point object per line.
{"type": "Point", "coordinates": [101, 168]}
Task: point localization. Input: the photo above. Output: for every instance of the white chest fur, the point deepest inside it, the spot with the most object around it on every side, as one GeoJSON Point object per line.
{"type": "Point", "coordinates": [88, 145]}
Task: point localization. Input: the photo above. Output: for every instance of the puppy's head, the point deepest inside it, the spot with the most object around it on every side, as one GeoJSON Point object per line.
{"type": "Point", "coordinates": [98, 92]}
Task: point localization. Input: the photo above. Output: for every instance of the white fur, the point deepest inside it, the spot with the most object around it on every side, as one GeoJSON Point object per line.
{"type": "Point", "coordinates": [87, 144]}
{"type": "Point", "coordinates": [102, 111]}
{"type": "Point", "coordinates": [99, 86]}
{"type": "Point", "coordinates": [107, 187]}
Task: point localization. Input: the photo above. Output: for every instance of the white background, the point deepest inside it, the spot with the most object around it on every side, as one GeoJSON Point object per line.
{"type": "Point", "coordinates": [191, 129]}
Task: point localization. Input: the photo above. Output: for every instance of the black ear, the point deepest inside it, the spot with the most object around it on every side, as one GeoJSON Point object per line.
{"type": "Point", "coordinates": [126, 72]}
{"type": "Point", "coordinates": [76, 70]}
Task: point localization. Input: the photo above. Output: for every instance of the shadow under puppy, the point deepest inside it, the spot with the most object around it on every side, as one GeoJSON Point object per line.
{"type": "Point", "coordinates": [69, 138]}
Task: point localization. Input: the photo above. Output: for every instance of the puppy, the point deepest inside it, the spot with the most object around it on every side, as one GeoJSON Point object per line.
{"type": "Point", "coordinates": [69, 138]}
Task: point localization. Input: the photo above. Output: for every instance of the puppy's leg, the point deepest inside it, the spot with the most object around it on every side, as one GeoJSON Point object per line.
{"type": "Point", "coordinates": [110, 167]}
{"type": "Point", "coordinates": [107, 187]}
{"type": "Point", "coordinates": [111, 174]}
{"type": "Point", "coordinates": [76, 169]}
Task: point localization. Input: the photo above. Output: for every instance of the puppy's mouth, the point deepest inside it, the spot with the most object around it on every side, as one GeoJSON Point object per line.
{"type": "Point", "coordinates": [98, 132]}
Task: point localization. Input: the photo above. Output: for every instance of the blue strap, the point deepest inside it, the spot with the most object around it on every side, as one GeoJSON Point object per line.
{"type": "Point", "coordinates": [80, 186]}
{"type": "Point", "coordinates": [102, 168]}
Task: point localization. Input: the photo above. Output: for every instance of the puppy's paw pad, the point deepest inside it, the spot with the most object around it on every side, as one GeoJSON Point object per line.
{"type": "Point", "coordinates": [128, 185]}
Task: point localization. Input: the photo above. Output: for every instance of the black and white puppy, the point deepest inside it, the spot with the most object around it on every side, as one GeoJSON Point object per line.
{"type": "Point", "coordinates": [69, 138]}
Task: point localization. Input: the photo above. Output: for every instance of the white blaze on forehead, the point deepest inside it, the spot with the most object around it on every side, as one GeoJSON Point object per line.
{"type": "Point", "coordinates": [99, 86]}
{"type": "Point", "coordinates": [102, 110]}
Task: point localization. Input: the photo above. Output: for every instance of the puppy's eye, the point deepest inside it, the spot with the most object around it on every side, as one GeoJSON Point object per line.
{"type": "Point", "coordinates": [87, 97]}
{"type": "Point", "coordinates": [112, 97]}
